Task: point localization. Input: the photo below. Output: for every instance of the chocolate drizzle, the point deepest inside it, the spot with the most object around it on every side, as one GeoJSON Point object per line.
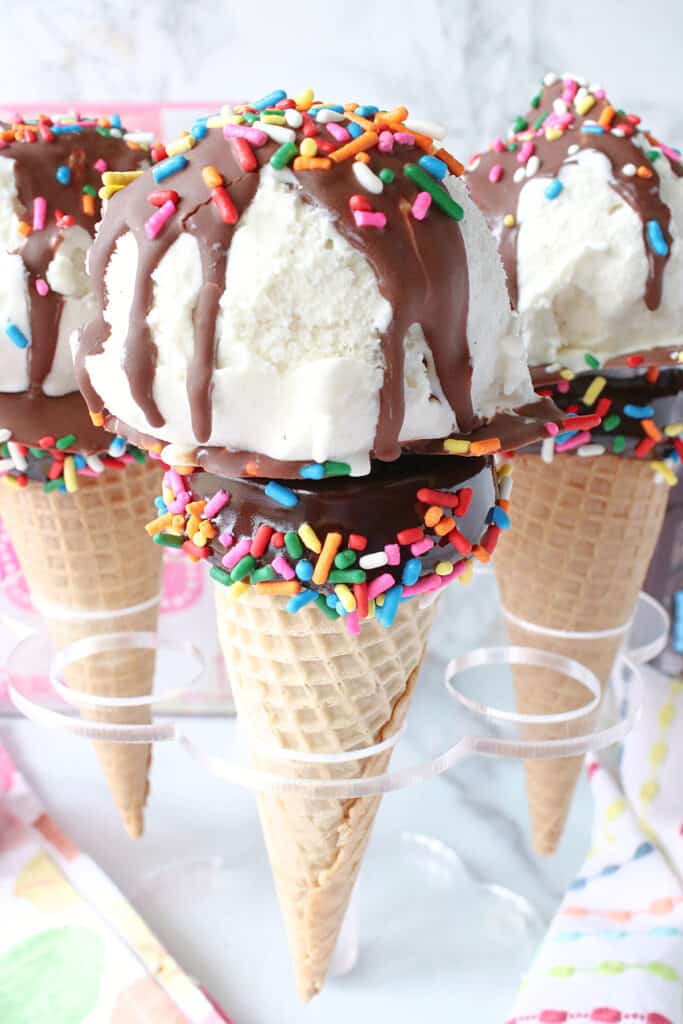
{"type": "Point", "coordinates": [496, 200]}
{"type": "Point", "coordinates": [421, 270]}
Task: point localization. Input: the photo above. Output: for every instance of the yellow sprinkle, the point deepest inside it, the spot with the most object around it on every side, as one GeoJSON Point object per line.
{"type": "Point", "coordinates": [157, 525]}
{"type": "Point", "coordinates": [443, 568]}
{"type": "Point", "coordinates": [456, 447]}
{"type": "Point", "coordinates": [199, 539]}
{"type": "Point", "coordinates": [585, 105]}
{"type": "Point", "coordinates": [379, 600]}
{"type": "Point", "coordinates": [272, 119]}
{"type": "Point", "coordinates": [567, 374]}
{"type": "Point", "coordinates": [70, 475]}
{"type": "Point", "coordinates": [346, 597]}
{"type": "Point", "coordinates": [237, 589]}
{"type": "Point", "coordinates": [168, 495]}
{"type": "Point", "coordinates": [97, 419]}
{"type": "Point", "coordinates": [371, 608]}
{"type": "Point", "coordinates": [119, 177]}
{"type": "Point", "coordinates": [107, 191]}
{"type": "Point", "coordinates": [466, 576]}
{"type": "Point", "coordinates": [10, 481]}
{"type": "Point", "coordinates": [509, 220]}
{"type": "Point", "coordinates": [665, 471]}
{"type": "Point", "coordinates": [308, 147]}
{"type": "Point", "coordinates": [553, 134]}
{"type": "Point", "coordinates": [181, 145]}
{"type": "Point", "coordinates": [212, 177]}
{"type": "Point", "coordinates": [217, 121]}
{"type": "Point", "coordinates": [503, 470]}
{"type": "Point", "coordinates": [305, 99]}
{"type": "Point", "coordinates": [310, 538]}
{"type": "Point", "coordinates": [593, 391]}
{"type": "Point", "coordinates": [677, 687]}
{"type": "Point", "coordinates": [674, 429]}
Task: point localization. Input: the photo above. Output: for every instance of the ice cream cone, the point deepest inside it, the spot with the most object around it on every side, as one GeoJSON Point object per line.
{"type": "Point", "coordinates": [87, 552]}
{"type": "Point", "coordinates": [585, 530]}
{"type": "Point", "coordinates": [302, 682]}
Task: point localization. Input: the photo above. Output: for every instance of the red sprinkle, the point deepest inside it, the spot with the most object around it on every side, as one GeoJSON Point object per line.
{"type": "Point", "coordinates": [55, 470]}
{"type": "Point", "coordinates": [360, 592]}
{"type": "Point", "coordinates": [309, 129]}
{"type": "Point", "coordinates": [357, 202]}
{"type": "Point", "coordinates": [635, 360]}
{"type": "Point", "coordinates": [47, 442]}
{"type": "Point", "coordinates": [225, 205]}
{"type": "Point", "coordinates": [652, 374]}
{"type": "Point", "coordinates": [357, 542]}
{"type": "Point", "coordinates": [460, 542]}
{"type": "Point", "coordinates": [191, 549]}
{"type": "Point", "coordinates": [465, 495]}
{"type": "Point", "coordinates": [163, 195]}
{"type": "Point", "coordinates": [245, 154]}
{"type": "Point", "coordinates": [158, 153]}
{"type": "Point", "coordinates": [582, 422]}
{"type": "Point", "coordinates": [325, 148]}
{"type": "Point", "coordinates": [678, 445]}
{"type": "Point", "coordinates": [490, 538]}
{"type": "Point", "coordinates": [603, 407]}
{"type": "Point", "coordinates": [411, 536]}
{"type": "Point", "coordinates": [644, 447]}
{"type": "Point", "coordinates": [287, 104]}
{"type": "Point", "coordinates": [278, 539]}
{"type": "Point", "coordinates": [261, 541]}
{"type": "Point", "coordinates": [22, 480]}
{"type": "Point", "coordinates": [441, 498]}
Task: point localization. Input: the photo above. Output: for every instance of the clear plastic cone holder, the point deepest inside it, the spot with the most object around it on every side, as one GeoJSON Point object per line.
{"type": "Point", "coordinates": [474, 714]}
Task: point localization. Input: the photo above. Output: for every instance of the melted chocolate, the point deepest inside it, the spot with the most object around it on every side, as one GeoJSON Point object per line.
{"type": "Point", "coordinates": [496, 200]}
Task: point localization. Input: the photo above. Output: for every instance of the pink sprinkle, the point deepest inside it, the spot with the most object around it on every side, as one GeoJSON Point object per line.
{"type": "Point", "coordinates": [364, 219]}
{"type": "Point", "coordinates": [41, 287]}
{"type": "Point", "coordinates": [498, 145]}
{"type": "Point", "coordinates": [551, 428]}
{"type": "Point", "coordinates": [101, 165]}
{"type": "Point", "coordinates": [496, 173]}
{"type": "Point", "coordinates": [525, 151]}
{"type": "Point", "coordinates": [241, 549]}
{"type": "Point", "coordinates": [377, 586]}
{"type": "Point", "coordinates": [213, 507]}
{"type": "Point", "coordinates": [583, 437]}
{"type": "Point", "coordinates": [421, 547]}
{"type": "Point", "coordinates": [39, 213]}
{"type": "Point", "coordinates": [159, 218]}
{"type": "Point", "coordinates": [352, 623]}
{"type": "Point", "coordinates": [419, 209]}
{"type": "Point", "coordinates": [226, 539]}
{"type": "Point", "coordinates": [599, 94]}
{"type": "Point", "coordinates": [283, 568]}
{"type": "Point", "coordinates": [338, 131]}
{"type": "Point", "coordinates": [175, 481]}
{"type": "Point", "coordinates": [404, 138]}
{"type": "Point", "coordinates": [393, 553]}
{"type": "Point", "coordinates": [386, 142]}
{"type": "Point", "coordinates": [571, 87]}
{"type": "Point", "coordinates": [670, 153]}
{"type": "Point", "coordinates": [424, 585]}
{"type": "Point", "coordinates": [239, 131]}
{"type": "Point", "coordinates": [178, 505]}
{"type": "Point", "coordinates": [563, 386]}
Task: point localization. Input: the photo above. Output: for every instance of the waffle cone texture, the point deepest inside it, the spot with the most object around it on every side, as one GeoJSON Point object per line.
{"type": "Point", "coordinates": [584, 533]}
{"type": "Point", "coordinates": [88, 551]}
{"type": "Point", "coordinates": [301, 682]}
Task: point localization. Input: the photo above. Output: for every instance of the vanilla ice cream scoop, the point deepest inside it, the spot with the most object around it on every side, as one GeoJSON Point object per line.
{"type": "Point", "coordinates": [587, 209]}
{"type": "Point", "coordinates": [302, 282]}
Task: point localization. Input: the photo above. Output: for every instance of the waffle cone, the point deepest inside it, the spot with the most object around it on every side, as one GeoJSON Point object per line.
{"type": "Point", "coordinates": [300, 681]}
{"type": "Point", "coordinates": [584, 532]}
{"type": "Point", "coordinates": [88, 551]}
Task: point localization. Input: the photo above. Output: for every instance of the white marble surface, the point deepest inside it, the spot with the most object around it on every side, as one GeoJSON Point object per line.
{"type": "Point", "coordinates": [470, 63]}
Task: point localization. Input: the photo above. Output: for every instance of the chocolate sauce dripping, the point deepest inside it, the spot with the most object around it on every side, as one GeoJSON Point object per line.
{"type": "Point", "coordinates": [641, 194]}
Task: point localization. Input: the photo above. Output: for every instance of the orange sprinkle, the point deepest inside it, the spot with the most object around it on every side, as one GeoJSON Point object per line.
{"type": "Point", "coordinates": [195, 508]}
{"type": "Point", "coordinates": [312, 163]}
{"type": "Point", "coordinates": [453, 165]}
{"type": "Point", "coordinates": [362, 121]}
{"type": "Point", "coordinates": [97, 419]}
{"type": "Point", "coordinates": [397, 114]}
{"type": "Point", "coordinates": [432, 516]}
{"type": "Point", "coordinates": [157, 447]}
{"type": "Point", "coordinates": [24, 227]}
{"type": "Point", "coordinates": [504, 504]}
{"type": "Point", "coordinates": [207, 529]}
{"type": "Point", "coordinates": [326, 557]}
{"type": "Point", "coordinates": [445, 526]}
{"type": "Point", "coordinates": [178, 523]}
{"type": "Point", "coordinates": [644, 171]}
{"type": "Point", "coordinates": [652, 374]}
{"type": "Point", "coordinates": [185, 470]}
{"type": "Point", "coordinates": [212, 177]}
{"type": "Point", "coordinates": [88, 205]}
{"type": "Point", "coordinates": [365, 141]}
{"type": "Point", "coordinates": [606, 117]}
{"type": "Point", "coordinates": [193, 524]}
{"type": "Point", "coordinates": [480, 553]}
{"type": "Point", "coordinates": [362, 158]}
{"type": "Point", "coordinates": [251, 469]}
{"type": "Point", "coordinates": [485, 447]}
{"type": "Point", "coordinates": [651, 429]}
{"type": "Point", "coordinates": [159, 524]}
{"type": "Point", "coordinates": [284, 588]}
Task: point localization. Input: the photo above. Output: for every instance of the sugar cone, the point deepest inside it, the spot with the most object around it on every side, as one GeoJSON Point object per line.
{"type": "Point", "coordinates": [584, 531]}
{"type": "Point", "coordinates": [300, 681]}
{"type": "Point", "coordinates": [88, 551]}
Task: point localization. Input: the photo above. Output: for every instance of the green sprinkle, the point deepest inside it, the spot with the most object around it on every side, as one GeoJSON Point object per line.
{"type": "Point", "coordinates": [136, 453]}
{"type": "Point", "coordinates": [38, 453]}
{"type": "Point", "coordinates": [440, 196]}
{"type": "Point", "coordinates": [216, 573]}
{"type": "Point", "coordinates": [387, 175]}
{"type": "Point", "coordinates": [65, 442]}
{"type": "Point", "coordinates": [618, 444]}
{"type": "Point", "coordinates": [511, 147]}
{"type": "Point", "coordinates": [591, 361]}
{"type": "Point", "coordinates": [169, 540]}
{"type": "Point", "coordinates": [536, 101]}
{"type": "Point", "coordinates": [520, 124]}
{"type": "Point", "coordinates": [653, 155]}
{"type": "Point", "coordinates": [337, 468]}
{"type": "Point", "coordinates": [54, 485]}
{"type": "Point", "coordinates": [89, 190]}
{"type": "Point", "coordinates": [539, 122]}
{"type": "Point", "coordinates": [346, 576]}
{"type": "Point", "coordinates": [324, 607]}
{"type": "Point", "coordinates": [345, 559]}
{"type": "Point", "coordinates": [243, 568]}
{"type": "Point", "coordinates": [5, 450]}
{"type": "Point", "coordinates": [103, 131]}
{"type": "Point", "coordinates": [250, 118]}
{"type": "Point", "coordinates": [611, 422]}
{"type": "Point", "coordinates": [272, 110]}
{"type": "Point", "coordinates": [293, 544]}
{"type": "Point", "coordinates": [281, 157]}
{"type": "Point", "coordinates": [263, 575]}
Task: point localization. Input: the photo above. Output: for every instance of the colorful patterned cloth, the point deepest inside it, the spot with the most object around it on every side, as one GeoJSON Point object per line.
{"type": "Point", "coordinates": [614, 951]}
{"type": "Point", "coordinates": [72, 950]}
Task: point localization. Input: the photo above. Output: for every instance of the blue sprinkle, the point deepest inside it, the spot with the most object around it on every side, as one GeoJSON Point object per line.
{"type": "Point", "coordinates": [79, 461]}
{"type": "Point", "coordinates": [339, 608]}
{"type": "Point", "coordinates": [270, 100]}
{"type": "Point", "coordinates": [655, 237]}
{"type": "Point", "coordinates": [304, 570]}
{"type": "Point", "coordinates": [63, 129]}
{"type": "Point", "coordinates": [167, 167]}
{"type": "Point", "coordinates": [117, 447]}
{"type": "Point", "coordinates": [63, 173]}
{"type": "Point", "coordinates": [332, 601]}
{"type": "Point", "coordinates": [561, 438]}
{"type": "Point", "coordinates": [677, 631]}
{"type": "Point", "coordinates": [199, 129]}
{"type": "Point", "coordinates": [282, 495]}
{"type": "Point", "coordinates": [115, 120]}
{"type": "Point", "coordinates": [314, 471]}
{"type": "Point", "coordinates": [387, 613]}
{"type": "Point", "coordinates": [554, 188]}
{"type": "Point", "coordinates": [15, 335]}
{"type": "Point", "coordinates": [367, 111]}
{"type": "Point", "coordinates": [160, 506]}
{"type": "Point", "coordinates": [300, 600]}
{"type": "Point", "coordinates": [354, 129]}
{"type": "Point", "coordinates": [437, 168]}
{"type": "Point", "coordinates": [639, 412]}
{"type": "Point", "coordinates": [592, 129]}
{"type": "Point", "coordinates": [411, 571]}
{"type": "Point", "coordinates": [500, 517]}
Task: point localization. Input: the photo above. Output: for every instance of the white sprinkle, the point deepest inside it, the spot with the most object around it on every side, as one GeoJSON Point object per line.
{"type": "Point", "coordinates": [95, 463]}
{"type": "Point", "coordinates": [506, 487]}
{"type": "Point", "coordinates": [628, 170]}
{"type": "Point", "coordinates": [324, 116]}
{"type": "Point", "coordinates": [559, 106]}
{"type": "Point", "coordinates": [145, 138]}
{"type": "Point", "coordinates": [581, 95]}
{"type": "Point", "coordinates": [227, 110]}
{"type": "Point", "coordinates": [431, 128]}
{"type": "Point", "coordinates": [217, 121]}
{"type": "Point", "coordinates": [533, 164]}
{"type": "Point", "coordinates": [590, 450]}
{"type": "Point", "coordinates": [595, 87]}
{"type": "Point", "coordinates": [473, 164]}
{"type": "Point", "coordinates": [573, 150]}
{"type": "Point", "coordinates": [374, 561]}
{"type": "Point", "coordinates": [619, 132]}
{"type": "Point", "coordinates": [519, 175]}
{"type": "Point", "coordinates": [367, 178]}
{"type": "Point", "coordinates": [553, 367]}
{"type": "Point", "coordinates": [17, 458]}
{"type": "Point", "coordinates": [277, 132]}
{"type": "Point", "coordinates": [174, 455]}
{"type": "Point", "coordinates": [548, 449]}
{"type": "Point", "coordinates": [116, 133]}
{"type": "Point", "coordinates": [294, 118]}
{"type": "Point", "coordinates": [5, 434]}
{"type": "Point", "coordinates": [550, 78]}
